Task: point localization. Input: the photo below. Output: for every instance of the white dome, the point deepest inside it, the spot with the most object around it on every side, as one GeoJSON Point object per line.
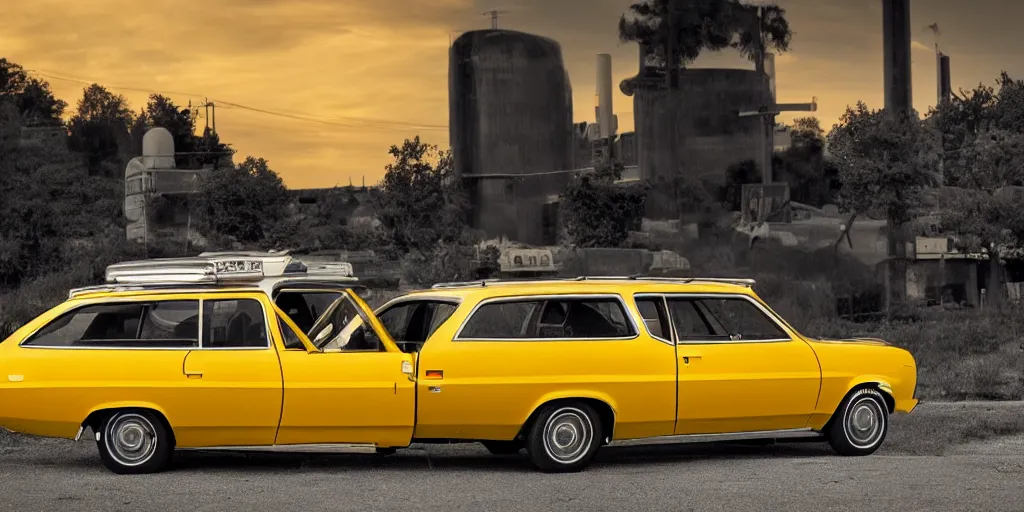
{"type": "Point", "coordinates": [158, 149]}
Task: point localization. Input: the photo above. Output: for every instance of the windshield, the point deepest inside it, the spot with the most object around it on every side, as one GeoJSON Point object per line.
{"type": "Point", "coordinates": [344, 328]}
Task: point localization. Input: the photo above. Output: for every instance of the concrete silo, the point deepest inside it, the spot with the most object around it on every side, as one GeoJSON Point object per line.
{"type": "Point", "coordinates": [703, 127]}
{"type": "Point", "coordinates": [510, 114]}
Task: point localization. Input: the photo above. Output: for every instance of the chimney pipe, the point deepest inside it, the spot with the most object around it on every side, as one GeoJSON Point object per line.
{"type": "Point", "coordinates": [605, 116]}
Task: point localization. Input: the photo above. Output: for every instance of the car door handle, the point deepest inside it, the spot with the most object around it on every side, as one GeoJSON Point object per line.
{"type": "Point", "coordinates": [434, 374]}
{"type": "Point", "coordinates": [193, 375]}
{"type": "Point", "coordinates": [686, 359]}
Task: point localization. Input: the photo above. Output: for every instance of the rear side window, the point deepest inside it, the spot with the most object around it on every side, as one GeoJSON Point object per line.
{"type": "Point", "coordinates": [652, 310]}
{"type": "Point", "coordinates": [158, 324]}
{"type": "Point", "coordinates": [550, 318]}
{"type": "Point", "coordinates": [234, 323]}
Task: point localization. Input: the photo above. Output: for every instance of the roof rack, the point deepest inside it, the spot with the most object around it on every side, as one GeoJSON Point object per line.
{"type": "Point", "coordinates": [749, 283]}
{"type": "Point", "coordinates": [222, 268]}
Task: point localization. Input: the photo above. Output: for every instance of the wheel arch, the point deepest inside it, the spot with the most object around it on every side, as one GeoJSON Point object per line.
{"type": "Point", "coordinates": [879, 385]}
{"type": "Point", "coordinates": [602, 404]}
{"type": "Point", "coordinates": [94, 420]}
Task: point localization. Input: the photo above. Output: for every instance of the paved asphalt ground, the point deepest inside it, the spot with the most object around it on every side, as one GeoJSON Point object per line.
{"type": "Point", "coordinates": [38, 475]}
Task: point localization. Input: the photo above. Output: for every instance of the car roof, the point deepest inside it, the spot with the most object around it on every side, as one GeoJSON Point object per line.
{"type": "Point", "coordinates": [479, 290]}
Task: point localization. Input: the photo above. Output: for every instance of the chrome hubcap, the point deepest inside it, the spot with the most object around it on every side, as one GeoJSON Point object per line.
{"type": "Point", "coordinates": [131, 439]}
{"type": "Point", "coordinates": [864, 422]}
{"type": "Point", "coordinates": [567, 435]}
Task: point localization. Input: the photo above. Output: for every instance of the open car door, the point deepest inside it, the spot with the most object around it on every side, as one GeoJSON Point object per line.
{"type": "Point", "coordinates": [351, 385]}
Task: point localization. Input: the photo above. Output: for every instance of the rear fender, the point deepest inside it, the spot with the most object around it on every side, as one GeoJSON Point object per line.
{"type": "Point", "coordinates": [569, 394]}
{"type": "Point", "coordinates": [109, 406]}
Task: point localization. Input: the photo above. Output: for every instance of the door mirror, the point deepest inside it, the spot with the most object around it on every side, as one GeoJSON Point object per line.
{"type": "Point", "coordinates": [323, 334]}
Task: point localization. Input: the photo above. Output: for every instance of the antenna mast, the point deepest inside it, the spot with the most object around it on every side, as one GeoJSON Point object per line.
{"type": "Point", "coordinates": [494, 17]}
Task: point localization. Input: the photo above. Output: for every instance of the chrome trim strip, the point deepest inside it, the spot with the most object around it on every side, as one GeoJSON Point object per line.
{"type": "Point", "coordinates": [294, 448]}
{"type": "Point", "coordinates": [540, 298]}
{"type": "Point", "coordinates": [796, 433]}
{"type": "Point", "coordinates": [79, 434]}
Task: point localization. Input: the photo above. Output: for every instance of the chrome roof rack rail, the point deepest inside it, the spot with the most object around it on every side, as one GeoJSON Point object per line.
{"type": "Point", "coordinates": [680, 280]}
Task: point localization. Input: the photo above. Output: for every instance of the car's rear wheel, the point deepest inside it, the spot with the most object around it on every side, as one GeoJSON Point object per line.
{"type": "Point", "coordinates": [564, 438]}
{"type": "Point", "coordinates": [134, 442]}
{"type": "Point", "coordinates": [503, 447]}
{"type": "Point", "coordinates": [860, 424]}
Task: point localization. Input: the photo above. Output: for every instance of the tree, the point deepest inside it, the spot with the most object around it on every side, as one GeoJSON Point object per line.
{"type": "Point", "coordinates": [884, 162]}
{"type": "Point", "coordinates": [982, 213]}
{"type": "Point", "coordinates": [244, 203]}
{"type": "Point", "coordinates": [600, 213]}
{"type": "Point", "coordinates": [678, 31]}
{"type": "Point", "coordinates": [35, 103]}
{"type": "Point", "coordinates": [812, 178]}
{"type": "Point", "coordinates": [420, 203]}
{"type": "Point", "coordinates": [100, 129]}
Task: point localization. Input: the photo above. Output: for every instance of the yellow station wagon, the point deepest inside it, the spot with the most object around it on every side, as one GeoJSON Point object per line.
{"type": "Point", "coordinates": [249, 351]}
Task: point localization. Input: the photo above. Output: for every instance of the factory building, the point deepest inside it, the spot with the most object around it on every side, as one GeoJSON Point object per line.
{"type": "Point", "coordinates": [513, 136]}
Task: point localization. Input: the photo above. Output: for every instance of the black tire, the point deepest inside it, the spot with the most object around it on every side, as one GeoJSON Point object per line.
{"type": "Point", "coordinates": [134, 442]}
{"type": "Point", "coordinates": [503, 447]}
{"type": "Point", "coordinates": [575, 423]}
{"type": "Point", "coordinates": [860, 424]}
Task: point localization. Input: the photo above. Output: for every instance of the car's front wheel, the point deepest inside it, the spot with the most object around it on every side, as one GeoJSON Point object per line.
{"type": "Point", "coordinates": [564, 438]}
{"type": "Point", "coordinates": [860, 424]}
{"type": "Point", "coordinates": [134, 442]}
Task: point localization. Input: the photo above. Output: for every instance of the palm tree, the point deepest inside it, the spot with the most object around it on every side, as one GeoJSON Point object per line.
{"type": "Point", "coordinates": [678, 31]}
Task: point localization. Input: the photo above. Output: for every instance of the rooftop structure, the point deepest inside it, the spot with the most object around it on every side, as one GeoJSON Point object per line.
{"type": "Point", "coordinates": [265, 271]}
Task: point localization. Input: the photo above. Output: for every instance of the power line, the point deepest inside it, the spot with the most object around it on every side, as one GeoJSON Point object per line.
{"type": "Point", "coordinates": [344, 122]}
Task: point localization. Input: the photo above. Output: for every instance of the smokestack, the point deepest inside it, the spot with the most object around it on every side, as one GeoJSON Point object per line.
{"type": "Point", "coordinates": [605, 117]}
{"type": "Point", "coordinates": [896, 45]}
{"type": "Point", "coordinates": [944, 85]}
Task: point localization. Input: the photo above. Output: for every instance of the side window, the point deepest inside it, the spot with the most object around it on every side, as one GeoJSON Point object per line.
{"type": "Point", "coordinates": [348, 331]}
{"type": "Point", "coordinates": [743, 320]}
{"type": "Point", "coordinates": [442, 312]}
{"type": "Point", "coordinates": [304, 308]}
{"type": "Point", "coordinates": [692, 323]}
{"type": "Point", "coordinates": [291, 338]}
{"type": "Point", "coordinates": [556, 318]}
{"type": "Point", "coordinates": [396, 320]}
{"type": "Point", "coordinates": [161, 324]}
{"type": "Point", "coordinates": [652, 310]}
{"type": "Point", "coordinates": [500, 320]}
{"type": "Point", "coordinates": [234, 323]}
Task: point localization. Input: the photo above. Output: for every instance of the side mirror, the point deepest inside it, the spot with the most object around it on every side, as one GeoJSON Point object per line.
{"type": "Point", "coordinates": [324, 334]}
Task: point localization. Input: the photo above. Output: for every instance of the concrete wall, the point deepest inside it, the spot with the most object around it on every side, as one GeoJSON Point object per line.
{"type": "Point", "coordinates": [510, 109]}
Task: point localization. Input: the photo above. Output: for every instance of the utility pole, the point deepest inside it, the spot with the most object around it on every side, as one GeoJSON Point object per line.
{"type": "Point", "coordinates": [211, 114]}
{"type": "Point", "coordinates": [899, 104]}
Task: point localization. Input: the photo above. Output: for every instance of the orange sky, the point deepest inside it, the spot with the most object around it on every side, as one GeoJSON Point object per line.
{"type": "Point", "coordinates": [366, 74]}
